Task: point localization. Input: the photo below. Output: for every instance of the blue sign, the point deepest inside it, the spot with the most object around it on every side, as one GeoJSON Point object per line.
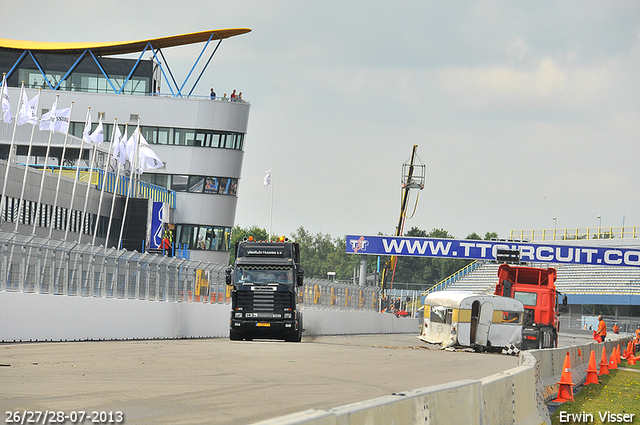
{"type": "Point", "coordinates": [157, 220]}
{"type": "Point", "coordinates": [486, 250]}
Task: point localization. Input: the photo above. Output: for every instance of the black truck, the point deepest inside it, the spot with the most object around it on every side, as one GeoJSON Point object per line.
{"type": "Point", "coordinates": [265, 278]}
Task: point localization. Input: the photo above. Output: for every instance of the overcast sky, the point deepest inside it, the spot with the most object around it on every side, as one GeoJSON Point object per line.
{"type": "Point", "coordinates": [522, 111]}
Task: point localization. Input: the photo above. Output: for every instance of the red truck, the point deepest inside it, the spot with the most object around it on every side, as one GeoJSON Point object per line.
{"type": "Point", "coordinates": [536, 289]}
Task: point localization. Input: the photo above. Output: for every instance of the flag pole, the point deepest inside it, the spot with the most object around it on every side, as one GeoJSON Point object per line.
{"type": "Point", "coordinates": [86, 196]}
{"type": "Point", "coordinates": [271, 202]}
{"type": "Point", "coordinates": [136, 139]}
{"type": "Point", "coordinates": [115, 189]}
{"type": "Point", "coordinates": [6, 171]}
{"type": "Point", "coordinates": [44, 168]}
{"type": "Point", "coordinates": [75, 181]}
{"type": "Point", "coordinates": [104, 181]}
{"type": "Point", "coordinates": [55, 201]}
{"type": "Point", "coordinates": [26, 167]}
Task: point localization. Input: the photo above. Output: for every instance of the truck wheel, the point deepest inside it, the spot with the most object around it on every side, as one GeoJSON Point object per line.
{"type": "Point", "coordinates": [541, 336]}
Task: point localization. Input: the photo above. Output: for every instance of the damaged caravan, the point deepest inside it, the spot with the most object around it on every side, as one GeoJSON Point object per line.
{"type": "Point", "coordinates": [454, 318]}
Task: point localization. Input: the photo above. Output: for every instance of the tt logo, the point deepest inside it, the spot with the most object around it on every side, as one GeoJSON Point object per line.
{"type": "Point", "coordinates": [359, 244]}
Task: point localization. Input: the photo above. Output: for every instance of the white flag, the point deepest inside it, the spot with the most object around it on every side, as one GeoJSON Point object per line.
{"type": "Point", "coordinates": [6, 104]}
{"type": "Point", "coordinates": [48, 120]}
{"type": "Point", "coordinates": [148, 158]}
{"type": "Point", "coordinates": [131, 145]}
{"type": "Point", "coordinates": [97, 137]}
{"type": "Point", "coordinates": [119, 150]}
{"type": "Point", "coordinates": [86, 133]}
{"type": "Point", "coordinates": [28, 113]}
{"type": "Point", "coordinates": [63, 116]}
{"type": "Point", "coordinates": [267, 177]}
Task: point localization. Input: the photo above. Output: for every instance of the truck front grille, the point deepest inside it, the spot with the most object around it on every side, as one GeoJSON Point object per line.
{"type": "Point", "coordinates": [263, 301]}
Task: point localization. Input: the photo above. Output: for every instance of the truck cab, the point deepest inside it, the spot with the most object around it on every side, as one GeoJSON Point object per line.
{"type": "Point", "coordinates": [535, 288]}
{"type": "Point", "coordinates": [265, 280]}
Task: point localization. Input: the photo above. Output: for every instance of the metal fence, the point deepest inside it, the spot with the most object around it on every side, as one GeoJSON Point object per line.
{"type": "Point", "coordinates": [328, 295]}
{"type": "Point", "coordinates": [44, 266]}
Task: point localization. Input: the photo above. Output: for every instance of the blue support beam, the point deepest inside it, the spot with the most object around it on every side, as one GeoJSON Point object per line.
{"type": "Point", "coordinates": [75, 64]}
{"type": "Point", "coordinates": [176, 90]}
{"type": "Point", "coordinates": [195, 63]}
{"type": "Point", "coordinates": [205, 67]}
{"type": "Point", "coordinates": [103, 71]}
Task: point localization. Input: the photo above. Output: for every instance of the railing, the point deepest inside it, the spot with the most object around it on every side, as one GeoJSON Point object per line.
{"type": "Point", "coordinates": [576, 233]}
{"type": "Point", "coordinates": [119, 185]}
{"type": "Point", "coordinates": [453, 278]}
{"type": "Point", "coordinates": [45, 266]}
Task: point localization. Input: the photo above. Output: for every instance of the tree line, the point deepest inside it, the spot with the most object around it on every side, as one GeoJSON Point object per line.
{"type": "Point", "coordinates": [320, 253]}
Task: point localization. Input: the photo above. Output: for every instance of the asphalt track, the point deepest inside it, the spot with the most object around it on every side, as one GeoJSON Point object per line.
{"type": "Point", "coordinates": [217, 381]}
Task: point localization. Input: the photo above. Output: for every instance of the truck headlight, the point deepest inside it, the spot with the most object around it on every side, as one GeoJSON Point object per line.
{"type": "Point", "coordinates": [238, 315]}
{"type": "Point", "coordinates": [287, 315]}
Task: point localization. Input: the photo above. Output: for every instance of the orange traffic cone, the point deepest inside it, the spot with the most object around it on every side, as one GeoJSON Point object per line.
{"type": "Point", "coordinates": [618, 359]}
{"type": "Point", "coordinates": [612, 360]}
{"type": "Point", "coordinates": [625, 353]}
{"type": "Point", "coordinates": [604, 363]}
{"type": "Point", "coordinates": [565, 391]}
{"type": "Point", "coordinates": [592, 370]}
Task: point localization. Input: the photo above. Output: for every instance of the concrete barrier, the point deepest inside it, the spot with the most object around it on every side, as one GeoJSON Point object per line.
{"type": "Point", "coordinates": [549, 362]}
{"type": "Point", "coordinates": [457, 403]}
{"type": "Point", "coordinates": [46, 317]}
{"type": "Point", "coordinates": [516, 396]}
{"type": "Point", "coordinates": [336, 322]}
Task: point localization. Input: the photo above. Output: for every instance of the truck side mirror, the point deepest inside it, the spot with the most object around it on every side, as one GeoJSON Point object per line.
{"type": "Point", "coordinates": [300, 277]}
{"type": "Point", "coordinates": [227, 275]}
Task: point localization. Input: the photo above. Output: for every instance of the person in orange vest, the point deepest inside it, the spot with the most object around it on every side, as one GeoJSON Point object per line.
{"type": "Point", "coordinates": [615, 328]}
{"type": "Point", "coordinates": [602, 329]}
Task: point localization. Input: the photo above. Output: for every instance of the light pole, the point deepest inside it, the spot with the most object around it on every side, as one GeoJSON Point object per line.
{"type": "Point", "coordinates": [599, 225]}
{"type": "Point", "coordinates": [554, 228]}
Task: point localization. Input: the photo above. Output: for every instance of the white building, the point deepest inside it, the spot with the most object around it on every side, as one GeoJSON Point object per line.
{"type": "Point", "coordinates": [199, 139]}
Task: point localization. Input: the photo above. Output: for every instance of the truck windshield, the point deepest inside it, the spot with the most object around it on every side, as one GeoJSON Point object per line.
{"type": "Point", "coordinates": [264, 276]}
{"type": "Point", "coordinates": [527, 298]}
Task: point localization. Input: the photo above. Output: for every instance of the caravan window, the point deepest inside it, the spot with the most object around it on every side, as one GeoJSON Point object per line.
{"type": "Point", "coordinates": [512, 317]}
{"type": "Point", "coordinates": [441, 314]}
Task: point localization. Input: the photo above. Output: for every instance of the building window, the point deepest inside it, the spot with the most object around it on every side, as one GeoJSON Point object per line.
{"type": "Point", "coordinates": [211, 185]}
{"type": "Point", "coordinates": [204, 238]}
{"type": "Point", "coordinates": [180, 183]}
{"type": "Point", "coordinates": [194, 184]}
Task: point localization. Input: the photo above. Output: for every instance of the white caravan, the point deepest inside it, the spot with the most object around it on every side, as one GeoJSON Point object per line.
{"type": "Point", "coordinates": [454, 318]}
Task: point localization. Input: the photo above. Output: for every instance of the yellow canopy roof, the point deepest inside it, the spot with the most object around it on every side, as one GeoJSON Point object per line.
{"type": "Point", "coordinates": [122, 47]}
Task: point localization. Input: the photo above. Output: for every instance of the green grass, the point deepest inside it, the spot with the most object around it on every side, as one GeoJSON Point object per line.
{"type": "Point", "coordinates": [618, 393]}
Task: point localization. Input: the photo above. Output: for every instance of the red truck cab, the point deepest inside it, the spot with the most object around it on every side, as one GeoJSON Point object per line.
{"type": "Point", "coordinates": [536, 289]}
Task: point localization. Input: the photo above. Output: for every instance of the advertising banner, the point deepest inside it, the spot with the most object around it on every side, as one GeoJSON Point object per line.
{"type": "Point", "coordinates": [159, 215]}
{"type": "Point", "coordinates": [486, 250]}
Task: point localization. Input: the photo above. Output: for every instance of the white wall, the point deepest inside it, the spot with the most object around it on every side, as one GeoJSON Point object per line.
{"type": "Point", "coordinates": [45, 317]}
